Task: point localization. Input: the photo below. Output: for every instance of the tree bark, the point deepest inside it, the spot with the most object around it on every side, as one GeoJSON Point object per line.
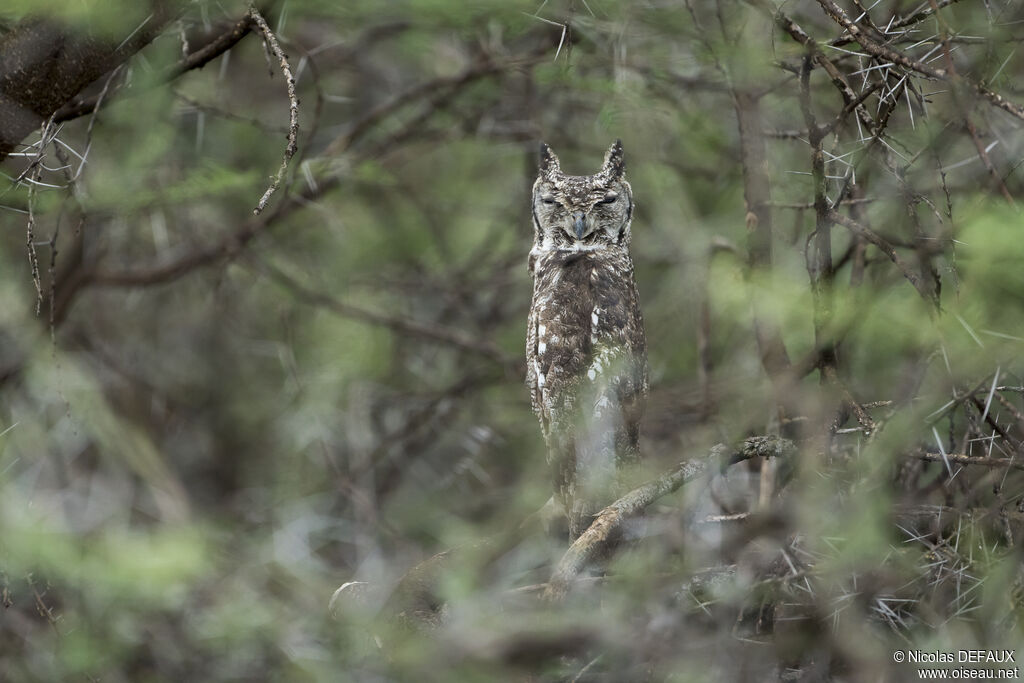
{"type": "Point", "coordinates": [43, 64]}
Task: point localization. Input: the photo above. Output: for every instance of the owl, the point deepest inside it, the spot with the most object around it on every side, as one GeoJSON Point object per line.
{"type": "Point", "coordinates": [586, 351]}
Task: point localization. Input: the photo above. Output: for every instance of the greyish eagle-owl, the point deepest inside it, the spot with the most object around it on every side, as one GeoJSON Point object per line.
{"type": "Point", "coordinates": [586, 350]}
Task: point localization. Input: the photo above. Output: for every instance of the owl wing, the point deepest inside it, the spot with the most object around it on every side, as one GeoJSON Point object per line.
{"type": "Point", "coordinates": [619, 358]}
{"type": "Point", "coordinates": [533, 369]}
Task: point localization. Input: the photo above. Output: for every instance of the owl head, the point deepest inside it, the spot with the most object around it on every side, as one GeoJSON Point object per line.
{"type": "Point", "coordinates": [570, 211]}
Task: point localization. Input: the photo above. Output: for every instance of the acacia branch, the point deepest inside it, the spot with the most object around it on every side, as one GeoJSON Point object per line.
{"type": "Point", "coordinates": [881, 51]}
{"type": "Point", "coordinates": [797, 33]}
{"type": "Point", "coordinates": [865, 421]}
{"type": "Point", "coordinates": [609, 521]}
{"type": "Point", "coordinates": [921, 14]}
{"type": "Point", "coordinates": [445, 335]}
{"type": "Point", "coordinates": [485, 67]}
{"type": "Point", "coordinates": [965, 110]}
{"type": "Point", "coordinates": [887, 53]}
{"type": "Point", "coordinates": [820, 261]}
{"type": "Point", "coordinates": [887, 249]}
{"type": "Point", "coordinates": [962, 459]}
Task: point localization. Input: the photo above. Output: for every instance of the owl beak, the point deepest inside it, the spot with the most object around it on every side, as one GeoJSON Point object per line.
{"type": "Point", "coordinates": [579, 224]}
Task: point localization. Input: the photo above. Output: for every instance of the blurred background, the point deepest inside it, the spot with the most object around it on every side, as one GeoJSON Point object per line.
{"type": "Point", "coordinates": [210, 420]}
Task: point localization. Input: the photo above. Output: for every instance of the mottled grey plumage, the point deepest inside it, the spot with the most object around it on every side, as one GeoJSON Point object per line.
{"type": "Point", "coordinates": [586, 351]}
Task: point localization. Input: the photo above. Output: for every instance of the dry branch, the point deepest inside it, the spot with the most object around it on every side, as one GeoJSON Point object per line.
{"type": "Point", "coordinates": [609, 521]}
{"type": "Point", "coordinates": [886, 248]}
{"type": "Point", "coordinates": [399, 324]}
{"type": "Point", "coordinates": [194, 60]}
{"type": "Point", "coordinates": [797, 33]}
{"type": "Point", "coordinates": [30, 234]}
{"type": "Point", "coordinates": [819, 261]}
{"type": "Point", "coordinates": [270, 40]}
{"type": "Point", "coordinates": [962, 459]}
{"type": "Point", "coordinates": [483, 68]}
{"type": "Point", "coordinates": [964, 109]}
{"type": "Point", "coordinates": [883, 52]}
{"type": "Point", "coordinates": [31, 90]}
{"type": "Point", "coordinates": [876, 49]}
{"type": "Point", "coordinates": [863, 419]}
{"type": "Point", "coordinates": [234, 242]}
{"type": "Point", "coordinates": [917, 17]}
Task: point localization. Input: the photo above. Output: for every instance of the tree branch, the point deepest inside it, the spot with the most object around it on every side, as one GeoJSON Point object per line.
{"type": "Point", "coordinates": [962, 459]}
{"type": "Point", "coordinates": [887, 249]}
{"type": "Point", "coordinates": [881, 51]}
{"type": "Point", "coordinates": [43, 65]}
{"type": "Point", "coordinates": [609, 521]}
{"type": "Point", "coordinates": [444, 335]}
{"type": "Point", "coordinates": [195, 60]}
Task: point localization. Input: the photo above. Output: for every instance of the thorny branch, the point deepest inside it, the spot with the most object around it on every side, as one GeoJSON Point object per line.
{"type": "Point", "coordinates": [889, 54]}
{"type": "Point", "coordinates": [962, 459]}
{"type": "Point", "coordinates": [887, 249]}
{"type": "Point", "coordinates": [957, 96]}
{"type": "Point", "coordinates": [195, 60]}
{"type": "Point", "coordinates": [608, 523]}
{"type": "Point", "coordinates": [797, 33]}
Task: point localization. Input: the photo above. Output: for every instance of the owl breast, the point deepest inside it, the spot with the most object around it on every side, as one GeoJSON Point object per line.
{"type": "Point", "coordinates": [586, 368]}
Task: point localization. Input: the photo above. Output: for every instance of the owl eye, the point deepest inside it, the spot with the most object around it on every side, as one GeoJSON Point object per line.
{"type": "Point", "coordinates": [609, 199]}
{"type": "Point", "coordinates": [548, 199]}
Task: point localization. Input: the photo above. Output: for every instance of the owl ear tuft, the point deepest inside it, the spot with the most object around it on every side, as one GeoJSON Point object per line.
{"type": "Point", "coordinates": [614, 161]}
{"type": "Point", "coordinates": [549, 164]}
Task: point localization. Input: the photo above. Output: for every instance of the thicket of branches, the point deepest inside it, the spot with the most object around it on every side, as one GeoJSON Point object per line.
{"type": "Point", "coordinates": [264, 296]}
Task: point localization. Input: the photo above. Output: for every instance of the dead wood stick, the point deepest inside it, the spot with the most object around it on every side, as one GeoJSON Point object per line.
{"type": "Point", "coordinates": [607, 522]}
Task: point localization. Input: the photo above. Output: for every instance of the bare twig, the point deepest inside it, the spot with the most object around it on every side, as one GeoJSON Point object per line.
{"type": "Point", "coordinates": [920, 15]}
{"type": "Point", "coordinates": [196, 60]}
{"type": "Point", "coordinates": [33, 173]}
{"type": "Point", "coordinates": [30, 237]}
{"type": "Point", "coordinates": [862, 416]}
{"type": "Point", "coordinates": [270, 40]}
{"type": "Point", "coordinates": [887, 249]}
{"type": "Point", "coordinates": [451, 337]}
{"type": "Point", "coordinates": [44, 610]}
{"type": "Point", "coordinates": [964, 110]}
{"type": "Point", "coordinates": [963, 459]}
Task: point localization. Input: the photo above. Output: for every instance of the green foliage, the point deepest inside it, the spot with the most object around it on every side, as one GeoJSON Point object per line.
{"type": "Point", "coordinates": [113, 19]}
{"type": "Point", "coordinates": [235, 414]}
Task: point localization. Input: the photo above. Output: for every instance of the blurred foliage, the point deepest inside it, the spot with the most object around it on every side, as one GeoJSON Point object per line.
{"type": "Point", "coordinates": [230, 416]}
